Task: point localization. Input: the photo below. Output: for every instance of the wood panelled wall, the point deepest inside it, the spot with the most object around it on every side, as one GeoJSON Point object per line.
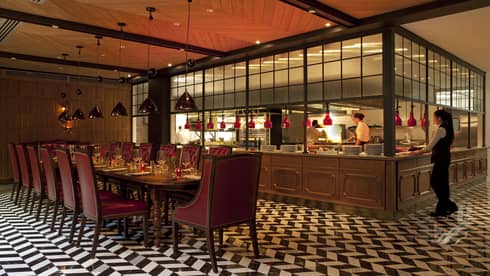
{"type": "Point", "coordinates": [29, 110]}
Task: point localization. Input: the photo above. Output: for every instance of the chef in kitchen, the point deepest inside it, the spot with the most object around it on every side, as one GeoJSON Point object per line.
{"type": "Point", "coordinates": [362, 129]}
{"type": "Point", "coordinates": [313, 134]}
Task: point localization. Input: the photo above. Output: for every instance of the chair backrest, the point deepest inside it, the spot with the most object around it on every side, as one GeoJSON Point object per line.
{"type": "Point", "coordinates": [86, 177]}
{"type": "Point", "coordinates": [127, 151]}
{"type": "Point", "coordinates": [37, 182]}
{"type": "Point", "coordinates": [104, 150]}
{"type": "Point", "coordinates": [233, 189]}
{"type": "Point", "coordinates": [67, 181]}
{"type": "Point", "coordinates": [113, 148]}
{"type": "Point", "coordinates": [169, 149]}
{"type": "Point", "coordinates": [145, 150]}
{"type": "Point", "coordinates": [52, 183]}
{"type": "Point", "coordinates": [14, 163]}
{"type": "Point", "coordinates": [220, 151]}
{"type": "Point", "coordinates": [25, 169]}
{"type": "Point", "coordinates": [191, 154]}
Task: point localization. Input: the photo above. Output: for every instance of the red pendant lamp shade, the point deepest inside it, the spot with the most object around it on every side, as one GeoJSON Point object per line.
{"type": "Point", "coordinates": [222, 125]}
{"type": "Point", "coordinates": [187, 123]}
{"type": "Point", "coordinates": [398, 120]}
{"type": "Point", "coordinates": [237, 124]}
{"type": "Point", "coordinates": [268, 122]}
{"type": "Point", "coordinates": [423, 122]}
{"type": "Point", "coordinates": [210, 124]}
{"type": "Point", "coordinates": [251, 124]}
{"type": "Point", "coordinates": [285, 122]}
{"type": "Point", "coordinates": [327, 121]}
{"type": "Point", "coordinates": [308, 121]}
{"type": "Point", "coordinates": [411, 119]}
{"type": "Point", "coordinates": [198, 124]}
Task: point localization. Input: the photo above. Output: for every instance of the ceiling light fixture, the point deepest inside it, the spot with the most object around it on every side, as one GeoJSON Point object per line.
{"type": "Point", "coordinates": [257, 42]}
{"type": "Point", "coordinates": [169, 65]}
{"type": "Point", "coordinates": [328, 24]}
{"type": "Point", "coordinates": [55, 26]}
{"type": "Point", "coordinates": [96, 112]}
{"type": "Point", "coordinates": [311, 10]}
{"type": "Point", "coordinates": [209, 10]}
{"type": "Point", "coordinates": [78, 114]}
{"type": "Point", "coordinates": [120, 109]}
{"type": "Point", "coordinates": [186, 102]}
{"type": "Point", "coordinates": [64, 117]}
{"type": "Point", "coordinates": [13, 58]}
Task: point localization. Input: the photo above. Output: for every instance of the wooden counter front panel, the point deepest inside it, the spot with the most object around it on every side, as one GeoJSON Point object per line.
{"type": "Point", "coordinates": [362, 183]}
{"type": "Point", "coordinates": [265, 173]}
{"type": "Point", "coordinates": [286, 174]}
{"type": "Point", "coordinates": [320, 178]}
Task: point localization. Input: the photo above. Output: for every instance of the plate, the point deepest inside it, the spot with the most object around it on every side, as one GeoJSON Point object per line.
{"type": "Point", "coordinates": [114, 169]}
{"type": "Point", "coordinates": [138, 173]}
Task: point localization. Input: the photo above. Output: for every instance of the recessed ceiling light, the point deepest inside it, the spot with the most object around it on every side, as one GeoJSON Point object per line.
{"type": "Point", "coordinates": [257, 42]}
{"type": "Point", "coordinates": [102, 55]}
{"type": "Point", "coordinates": [311, 10]}
{"type": "Point", "coordinates": [55, 26]}
{"type": "Point", "coordinates": [123, 46]}
{"type": "Point", "coordinates": [129, 75]}
{"type": "Point", "coordinates": [13, 58]}
{"type": "Point", "coordinates": [209, 10]}
{"type": "Point", "coordinates": [328, 24]}
{"type": "Point", "coordinates": [177, 24]}
{"type": "Point", "coordinates": [115, 70]}
{"type": "Point", "coordinates": [181, 49]}
{"type": "Point", "coordinates": [170, 65]}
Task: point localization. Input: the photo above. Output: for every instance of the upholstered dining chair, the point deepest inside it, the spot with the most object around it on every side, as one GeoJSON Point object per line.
{"type": "Point", "coordinates": [53, 186]}
{"type": "Point", "coordinates": [220, 151]}
{"type": "Point", "coordinates": [167, 150]}
{"type": "Point", "coordinates": [190, 156]}
{"type": "Point", "coordinates": [127, 151]}
{"type": "Point", "coordinates": [227, 196]}
{"type": "Point", "coordinates": [25, 172]}
{"type": "Point", "coordinates": [104, 151]}
{"type": "Point", "coordinates": [38, 183]}
{"type": "Point", "coordinates": [115, 146]}
{"type": "Point", "coordinates": [96, 209]}
{"type": "Point", "coordinates": [145, 150]}
{"type": "Point", "coordinates": [14, 164]}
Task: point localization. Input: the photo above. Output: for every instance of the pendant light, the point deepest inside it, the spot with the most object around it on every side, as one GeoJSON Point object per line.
{"type": "Point", "coordinates": [308, 121]}
{"type": "Point", "coordinates": [286, 123]}
{"type": "Point", "coordinates": [222, 125]}
{"type": "Point", "coordinates": [96, 112]}
{"type": "Point", "coordinates": [327, 121]}
{"type": "Point", "coordinates": [398, 120]}
{"type": "Point", "coordinates": [251, 123]}
{"type": "Point", "coordinates": [210, 124]}
{"type": "Point", "coordinates": [78, 114]}
{"type": "Point", "coordinates": [411, 122]}
{"type": "Point", "coordinates": [64, 117]}
{"type": "Point", "coordinates": [268, 122]}
{"type": "Point", "coordinates": [120, 109]}
{"type": "Point", "coordinates": [186, 102]}
{"type": "Point", "coordinates": [423, 121]}
{"type": "Point", "coordinates": [237, 123]}
{"type": "Point", "coordinates": [148, 105]}
{"type": "Point", "coordinates": [187, 122]}
{"type": "Point", "coordinates": [198, 123]}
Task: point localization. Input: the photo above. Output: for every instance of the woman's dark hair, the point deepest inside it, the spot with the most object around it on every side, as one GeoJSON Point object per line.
{"type": "Point", "coordinates": [315, 124]}
{"type": "Point", "coordinates": [446, 121]}
{"type": "Point", "coordinates": [359, 116]}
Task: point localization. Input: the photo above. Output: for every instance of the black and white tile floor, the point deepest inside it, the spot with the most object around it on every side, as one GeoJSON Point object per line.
{"type": "Point", "coordinates": [294, 240]}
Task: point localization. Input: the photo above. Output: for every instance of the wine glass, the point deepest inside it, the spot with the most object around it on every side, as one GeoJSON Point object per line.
{"type": "Point", "coordinates": [137, 156]}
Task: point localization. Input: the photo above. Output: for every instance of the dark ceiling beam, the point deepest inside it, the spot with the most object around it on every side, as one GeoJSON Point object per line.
{"type": "Point", "coordinates": [17, 56]}
{"type": "Point", "coordinates": [96, 30]}
{"type": "Point", "coordinates": [426, 11]}
{"type": "Point", "coordinates": [324, 11]}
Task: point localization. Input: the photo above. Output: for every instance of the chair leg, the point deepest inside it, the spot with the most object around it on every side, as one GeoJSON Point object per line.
{"type": "Point", "coordinates": [96, 238]}
{"type": "Point", "coordinates": [63, 217]}
{"type": "Point", "coordinates": [220, 236]}
{"type": "Point", "coordinates": [48, 205]}
{"type": "Point", "coordinates": [212, 254]}
{"type": "Point", "coordinates": [55, 215]}
{"type": "Point", "coordinates": [82, 226]}
{"type": "Point", "coordinates": [73, 225]}
{"type": "Point", "coordinates": [126, 230]}
{"type": "Point", "coordinates": [41, 199]}
{"type": "Point", "coordinates": [253, 235]}
{"type": "Point", "coordinates": [175, 233]}
{"type": "Point", "coordinates": [33, 201]}
{"type": "Point", "coordinates": [165, 208]}
{"type": "Point", "coordinates": [14, 186]}
{"type": "Point", "coordinates": [145, 230]}
{"type": "Point", "coordinates": [20, 192]}
{"type": "Point", "coordinates": [28, 196]}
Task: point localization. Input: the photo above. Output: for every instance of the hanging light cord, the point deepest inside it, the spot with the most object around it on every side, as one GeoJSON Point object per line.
{"type": "Point", "coordinates": [120, 53]}
{"type": "Point", "coordinates": [150, 18]}
{"type": "Point", "coordinates": [78, 69]}
{"type": "Point", "coordinates": [97, 66]}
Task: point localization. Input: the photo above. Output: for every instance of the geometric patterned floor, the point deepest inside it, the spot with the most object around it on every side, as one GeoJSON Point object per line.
{"type": "Point", "coordinates": [294, 240]}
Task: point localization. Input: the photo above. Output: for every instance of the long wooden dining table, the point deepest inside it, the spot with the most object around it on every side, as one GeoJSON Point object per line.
{"type": "Point", "coordinates": [158, 187]}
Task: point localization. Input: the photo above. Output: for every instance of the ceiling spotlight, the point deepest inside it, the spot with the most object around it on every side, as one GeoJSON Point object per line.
{"type": "Point", "coordinates": [129, 75]}
{"type": "Point", "coordinates": [209, 10]}
{"type": "Point", "coordinates": [191, 63]}
{"type": "Point", "coordinates": [257, 42]}
{"type": "Point", "coordinates": [177, 24]}
{"type": "Point", "coordinates": [123, 46]}
{"type": "Point", "coordinates": [170, 65]}
{"type": "Point", "coordinates": [13, 58]}
{"type": "Point", "coordinates": [311, 10]}
{"type": "Point", "coordinates": [55, 26]}
{"type": "Point", "coordinates": [328, 24]}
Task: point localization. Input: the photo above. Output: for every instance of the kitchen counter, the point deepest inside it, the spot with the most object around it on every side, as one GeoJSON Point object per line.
{"type": "Point", "coordinates": [382, 187]}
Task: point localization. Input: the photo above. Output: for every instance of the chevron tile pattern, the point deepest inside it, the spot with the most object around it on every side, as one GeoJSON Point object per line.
{"type": "Point", "coordinates": [294, 240]}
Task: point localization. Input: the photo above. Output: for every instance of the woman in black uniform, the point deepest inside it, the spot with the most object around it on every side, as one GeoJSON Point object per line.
{"type": "Point", "coordinates": [440, 146]}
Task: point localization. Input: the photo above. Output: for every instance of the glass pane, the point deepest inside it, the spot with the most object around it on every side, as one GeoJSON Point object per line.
{"type": "Point", "coordinates": [296, 93]}
{"type": "Point", "coordinates": [267, 96]}
{"type": "Point", "coordinates": [372, 65]}
{"type": "Point", "coordinates": [254, 82]}
{"type": "Point", "coordinates": [229, 100]}
{"type": "Point", "coordinates": [315, 92]}
{"type": "Point", "coordinates": [254, 97]}
{"type": "Point", "coordinates": [332, 90]}
{"type": "Point", "coordinates": [198, 77]}
{"type": "Point", "coordinates": [372, 44]}
{"type": "Point", "coordinates": [281, 78]}
{"type": "Point", "coordinates": [296, 58]}
{"type": "Point", "coordinates": [267, 80]}
{"type": "Point", "coordinates": [230, 85]}
{"type": "Point", "coordinates": [267, 64]}
{"type": "Point", "coordinates": [372, 86]}
{"type": "Point", "coordinates": [331, 51]}
{"type": "Point", "coordinates": [332, 70]}
{"type": "Point", "coordinates": [173, 81]}
{"type": "Point", "coordinates": [407, 44]}
{"type": "Point", "coordinates": [415, 90]}
{"type": "Point", "coordinates": [240, 69]}
{"type": "Point", "coordinates": [296, 75]}
{"type": "Point", "coordinates": [351, 88]}
{"type": "Point", "coordinates": [351, 68]}
{"type": "Point", "coordinates": [281, 95]}
{"type": "Point", "coordinates": [314, 55]}
{"type": "Point", "coordinates": [140, 129]}
{"type": "Point", "coordinates": [218, 101]}
{"type": "Point", "coordinates": [351, 48]}
{"type": "Point", "coordinates": [240, 99]}
{"type": "Point", "coordinates": [218, 87]}
{"type": "Point", "coordinates": [407, 68]}
{"type": "Point", "coordinates": [415, 70]}
{"type": "Point", "coordinates": [218, 72]}
{"type": "Point", "coordinates": [407, 87]}
{"type": "Point", "coordinates": [398, 44]}
{"type": "Point", "coordinates": [281, 61]}
{"type": "Point", "coordinates": [229, 71]}
{"type": "Point", "coordinates": [254, 66]}
{"type": "Point", "coordinates": [240, 84]}
{"type": "Point", "coordinates": [208, 88]}
{"type": "Point", "coordinates": [208, 74]}
{"type": "Point", "coordinates": [399, 65]}
{"type": "Point", "coordinates": [315, 72]}
{"type": "Point", "coordinates": [398, 86]}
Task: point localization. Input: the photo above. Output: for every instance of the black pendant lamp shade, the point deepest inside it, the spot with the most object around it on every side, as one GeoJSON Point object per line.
{"type": "Point", "coordinates": [119, 110]}
{"type": "Point", "coordinates": [78, 115]}
{"type": "Point", "coordinates": [64, 116]}
{"type": "Point", "coordinates": [186, 102]}
{"type": "Point", "coordinates": [95, 113]}
{"type": "Point", "coordinates": [148, 106]}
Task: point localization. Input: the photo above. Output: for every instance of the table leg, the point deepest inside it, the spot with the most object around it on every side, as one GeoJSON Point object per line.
{"type": "Point", "coordinates": [165, 208]}
{"type": "Point", "coordinates": [157, 215]}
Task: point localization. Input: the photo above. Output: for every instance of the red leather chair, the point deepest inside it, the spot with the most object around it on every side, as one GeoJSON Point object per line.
{"type": "Point", "coordinates": [38, 185]}
{"type": "Point", "coordinates": [127, 151]}
{"type": "Point", "coordinates": [14, 163]}
{"type": "Point", "coordinates": [145, 150]}
{"type": "Point", "coordinates": [190, 155]}
{"type": "Point", "coordinates": [52, 184]}
{"type": "Point", "coordinates": [104, 151]}
{"type": "Point", "coordinates": [115, 146]}
{"type": "Point", "coordinates": [220, 151]}
{"type": "Point", "coordinates": [167, 150]}
{"type": "Point", "coordinates": [25, 172]}
{"type": "Point", "coordinates": [227, 196]}
{"type": "Point", "coordinates": [96, 209]}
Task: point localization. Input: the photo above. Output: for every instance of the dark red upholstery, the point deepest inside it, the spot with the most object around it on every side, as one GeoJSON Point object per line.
{"type": "Point", "coordinates": [113, 148]}
{"type": "Point", "coordinates": [14, 163]}
{"type": "Point", "coordinates": [67, 182]}
{"type": "Point", "coordinates": [104, 150]}
{"type": "Point", "coordinates": [119, 205]}
{"type": "Point", "coordinates": [191, 154]}
{"type": "Point", "coordinates": [220, 151]}
{"type": "Point", "coordinates": [52, 185]}
{"type": "Point", "coordinates": [168, 150]}
{"type": "Point", "coordinates": [87, 184]}
{"type": "Point", "coordinates": [37, 182]}
{"type": "Point", "coordinates": [145, 150]}
{"type": "Point", "coordinates": [127, 151]}
{"type": "Point", "coordinates": [25, 170]}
